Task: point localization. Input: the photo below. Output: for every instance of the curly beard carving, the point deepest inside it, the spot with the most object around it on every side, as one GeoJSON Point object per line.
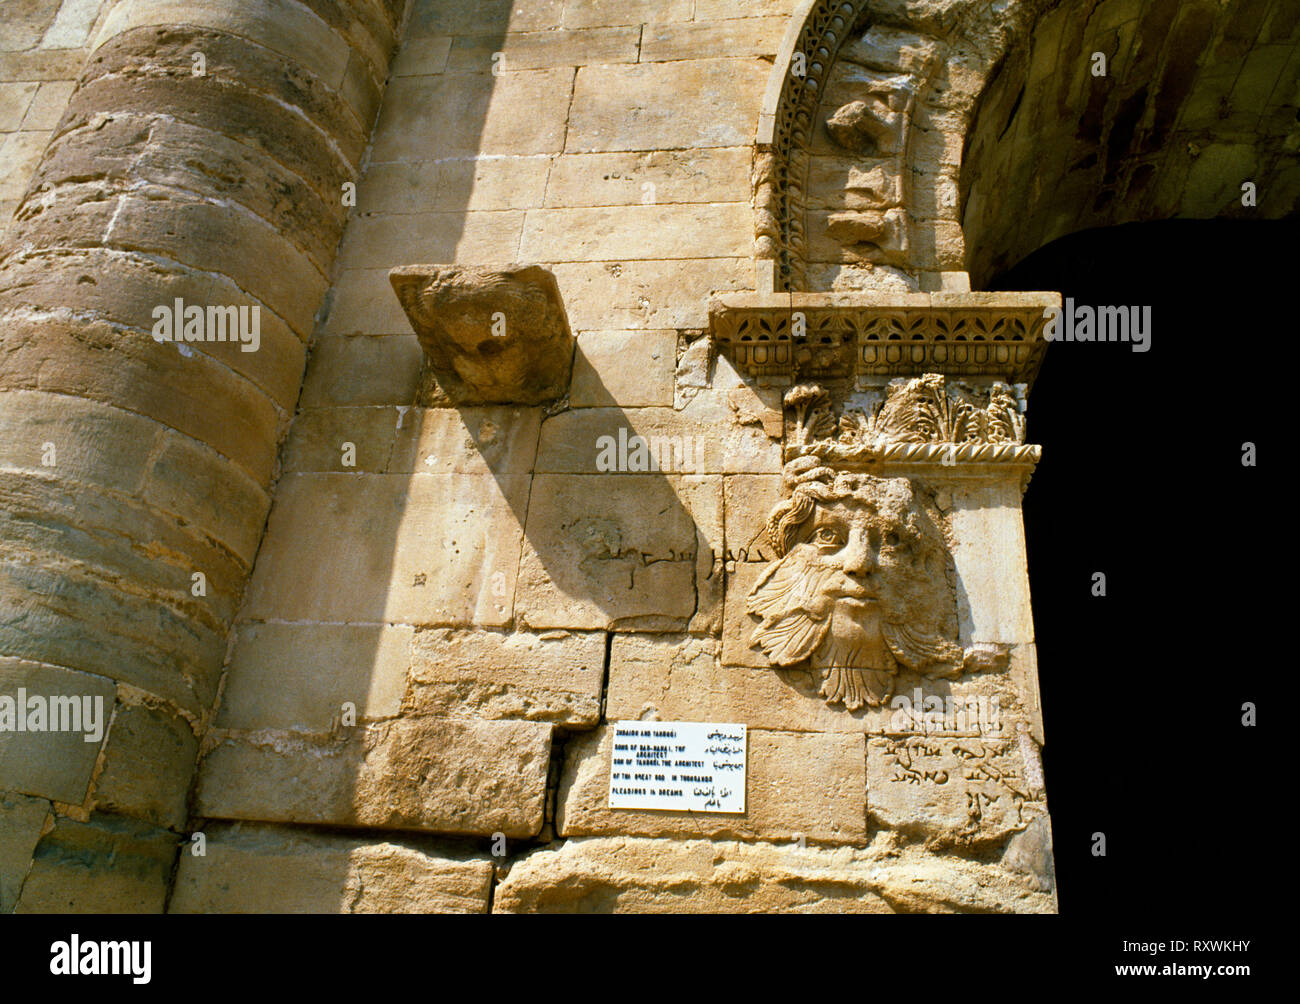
{"type": "Point", "coordinates": [859, 590]}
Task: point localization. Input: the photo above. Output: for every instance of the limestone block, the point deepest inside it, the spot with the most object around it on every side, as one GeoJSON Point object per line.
{"type": "Point", "coordinates": [637, 232]}
{"type": "Point", "coordinates": [702, 438]}
{"type": "Point", "coordinates": [420, 56]}
{"type": "Point", "coordinates": [976, 791]}
{"type": "Point", "coordinates": [811, 784]}
{"type": "Point", "coordinates": [681, 678]}
{"type": "Point", "coordinates": [553, 677]}
{"type": "Point", "coordinates": [106, 865]}
{"type": "Point", "coordinates": [365, 369]}
{"type": "Point", "coordinates": [361, 303]}
{"type": "Point", "coordinates": [989, 555]}
{"type": "Point", "coordinates": [750, 36]}
{"type": "Point", "coordinates": [21, 821]}
{"type": "Point", "coordinates": [267, 869]}
{"type": "Point", "coordinates": [15, 99]}
{"type": "Point", "coordinates": [440, 549]}
{"type": "Point", "coordinates": [433, 774]}
{"type": "Point", "coordinates": [392, 239]}
{"type": "Point", "coordinates": [536, 50]}
{"type": "Point", "coordinates": [280, 25]}
{"type": "Point", "coordinates": [749, 500]}
{"type": "Point", "coordinates": [455, 186]}
{"type": "Point", "coordinates": [46, 763]}
{"type": "Point", "coordinates": [639, 875]}
{"type": "Point", "coordinates": [621, 551]}
{"type": "Point", "coordinates": [656, 177]}
{"type": "Point", "coordinates": [490, 440]}
{"type": "Point", "coordinates": [628, 368]}
{"type": "Point", "coordinates": [298, 676]}
{"type": "Point", "coordinates": [491, 336]}
{"type": "Point", "coordinates": [641, 107]}
{"type": "Point", "coordinates": [468, 115]}
{"type": "Point", "coordinates": [648, 294]}
{"type": "Point", "coordinates": [591, 13]}
{"type": "Point", "coordinates": [147, 767]}
{"type": "Point", "coordinates": [718, 10]}
{"type": "Point", "coordinates": [455, 17]}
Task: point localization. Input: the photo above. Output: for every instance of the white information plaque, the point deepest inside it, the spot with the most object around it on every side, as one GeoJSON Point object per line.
{"type": "Point", "coordinates": [688, 766]}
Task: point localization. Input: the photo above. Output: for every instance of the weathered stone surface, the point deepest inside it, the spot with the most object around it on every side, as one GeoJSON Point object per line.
{"type": "Point", "coordinates": [455, 186]}
{"type": "Point", "coordinates": [652, 178]}
{"type": "Point", "coordinates": [966, 791]}
{"type": "Point", "coordinates": [266, 869]}
{"type": "Point", "coordinates": [392, 240]}
{"type": "Point", "coordinates": [553, 677]}
{"type": "Point", "coordinates": [701, 438]}
{"type": "Point", "coordinates": [647, 294]}
{"type": "Point", "coordinates": [495, 336]}
{"type": "Point", "coordinates": [364, 369]}
{"type": "Point", "coordinates": [637, 232]}
{"type": "Point", "coordinates": [624, 368]}
{"type": "Point", "coordinates": [299, 676]}
{"type": "Point", "coordinates": [682, 678]}
{"type": "Point", "coordinates": [797, 784]}
{"type": "Point", "coordinates": [106, 865]}
{"type": "Point", "coordinates": [750, 36]}
{"type": "Point", "coordinates": [588, 13]}
{"type": "Point", "coordinates": [641, 107]}
{"type": "Point", "coordinates": [21, 821]}
{"type": "Point", "coordinates": [639, 875]}
{"type": "Point", "coordinates": [989, 555]}
{"type": "Point", "coordinates": [422, 56]}
{"type": "Point", "coordinates": [147, 766]}
{"type": "Point", "coordinates": [626, 552]}
{"type": "Point", "coordinates": [536, 50]}
{"type": "Point", "coordinates": [472, 115]}
{"type": "Point", "coordinates": [362, 303]}
{"type": "Point", "coordinates": [439, 549]}
{"type": "Point", "coordinates": [46, 763]}
{"type": "Point", "coordinates": [432, 774]}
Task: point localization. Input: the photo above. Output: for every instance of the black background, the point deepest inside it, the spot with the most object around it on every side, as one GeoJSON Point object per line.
{"type": "Point", "coordinates": [1142, 479]}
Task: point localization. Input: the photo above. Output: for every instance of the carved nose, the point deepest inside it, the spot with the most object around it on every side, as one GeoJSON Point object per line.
{"type": "Point", "coordinates": [858, 560]}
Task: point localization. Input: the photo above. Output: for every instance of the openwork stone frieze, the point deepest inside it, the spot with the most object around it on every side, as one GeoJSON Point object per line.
{"type": "Point", "coordinates": [830, 336]}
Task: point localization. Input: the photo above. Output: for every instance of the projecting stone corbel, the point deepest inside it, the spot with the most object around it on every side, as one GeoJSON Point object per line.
{"type": "Point", "coordinates": [490, 334]}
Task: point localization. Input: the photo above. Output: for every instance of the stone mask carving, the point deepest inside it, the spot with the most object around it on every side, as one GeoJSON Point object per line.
{"type": "Point", "coordinates": [861, 588]}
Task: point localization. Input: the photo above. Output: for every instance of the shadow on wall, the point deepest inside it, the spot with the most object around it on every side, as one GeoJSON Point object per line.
{"type": "Point", "coordinates": [395, 578]}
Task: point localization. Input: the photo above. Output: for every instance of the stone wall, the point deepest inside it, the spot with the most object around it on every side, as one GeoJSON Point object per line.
{"type": "Point", "coordinates": [451, 604]}
{"type": "Point", "coordinates": [362, 648]}
{"type": "Point", "coordinates": [43, 44]}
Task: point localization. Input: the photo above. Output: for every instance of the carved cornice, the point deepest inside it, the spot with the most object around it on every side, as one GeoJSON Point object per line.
{"type": "Point", "coordinates": [833, 336]}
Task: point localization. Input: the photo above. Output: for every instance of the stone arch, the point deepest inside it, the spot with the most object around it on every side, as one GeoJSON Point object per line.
{"type": "Point", "coordinates": [858, 151]}
{"type": "Point", "coordinates": [1197, 98]}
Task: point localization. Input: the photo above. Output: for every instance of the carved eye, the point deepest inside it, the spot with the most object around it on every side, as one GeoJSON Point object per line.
{"type": "Point", "coordinates": [826, 535]}
{"type": "Point", "coordinates": [892, 540]}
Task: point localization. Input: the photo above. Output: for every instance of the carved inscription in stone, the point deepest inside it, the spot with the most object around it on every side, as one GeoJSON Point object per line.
{"type": "Point", "coordinates": [961, 789]}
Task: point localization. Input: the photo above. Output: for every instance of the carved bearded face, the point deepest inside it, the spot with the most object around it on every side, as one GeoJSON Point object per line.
{"type": "Point", "coordinates": [860, 587]}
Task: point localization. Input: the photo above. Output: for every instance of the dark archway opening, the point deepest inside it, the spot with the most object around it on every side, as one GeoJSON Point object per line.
{"type": "Point", "coordinates": [1142, 479]}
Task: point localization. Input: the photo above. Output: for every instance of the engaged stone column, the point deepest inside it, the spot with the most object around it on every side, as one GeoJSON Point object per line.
{"type": "Point", "coordinates": [157, 290]}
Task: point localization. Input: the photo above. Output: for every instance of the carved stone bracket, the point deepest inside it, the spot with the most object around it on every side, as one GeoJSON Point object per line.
{"type": "Point", "coordinates": [491, 334]}
{"type": "Point", "coordinates": [788, 337]}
